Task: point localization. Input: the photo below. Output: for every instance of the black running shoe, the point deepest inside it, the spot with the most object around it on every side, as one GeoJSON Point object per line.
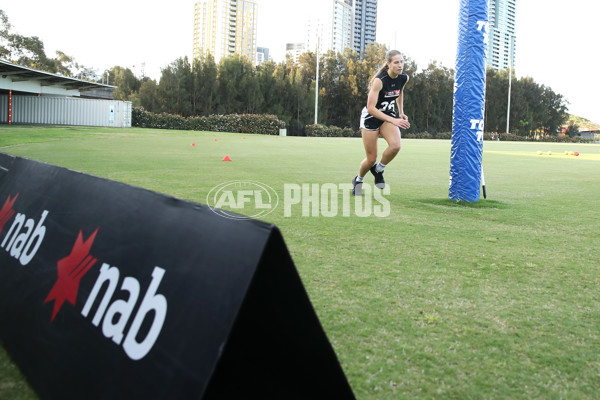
{"type": "Point", "coordinates": [356, 187]}
{"type": "Point", "coordinates": [379, 181]}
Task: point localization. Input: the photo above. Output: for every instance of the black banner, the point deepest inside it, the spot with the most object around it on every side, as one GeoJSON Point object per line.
{"type": "Point", "coordinates": [111, 291]}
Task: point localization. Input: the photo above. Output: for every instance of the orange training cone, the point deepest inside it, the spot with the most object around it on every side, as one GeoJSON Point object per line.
{"type": "Point", "coordinates": [226, 158]}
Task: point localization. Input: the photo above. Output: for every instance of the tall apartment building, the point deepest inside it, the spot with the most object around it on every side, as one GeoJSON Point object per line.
{"type": "Point", "coordinates": [225, 27]}
{"type": "Point", "coordinates": [365, 24]}
{"type": "Point", "coordinates": [502, 23]}
{"type": "Point", "coordinates": [319, 29]}
{"type": "Point", "coordinates": [341, 24]}
{"type": "Point", "coordinates": [331, 29]}
{"type": "Point", "coordinates": [294, 50]}
{"type": "Point", "coordinates": [262, 55]}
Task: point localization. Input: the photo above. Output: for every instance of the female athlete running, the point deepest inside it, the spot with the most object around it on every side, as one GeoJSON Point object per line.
{"type": "Point", "coordinates": [386, 91]}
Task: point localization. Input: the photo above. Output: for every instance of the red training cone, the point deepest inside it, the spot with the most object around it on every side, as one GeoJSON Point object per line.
{"type": "Point", "coordinates": [226, 158]}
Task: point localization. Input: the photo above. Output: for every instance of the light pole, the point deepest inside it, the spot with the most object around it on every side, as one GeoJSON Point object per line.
{"type": "Point", "coordinates": [509, 82]}
{"type": "Point", "coordinates": [317, 85]}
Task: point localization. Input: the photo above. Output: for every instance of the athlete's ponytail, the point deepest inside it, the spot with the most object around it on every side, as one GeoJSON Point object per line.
{"type": "Point", "coordinates": [388, 58]}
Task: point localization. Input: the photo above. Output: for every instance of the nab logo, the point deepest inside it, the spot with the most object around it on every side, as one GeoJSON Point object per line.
{"type": "Point", "coordinates": [254, 199]}
{"type": "Point", "coordinates": [134, 324]}
{"type": "Point", "coordinates": [25, 235]}
{"type": "Point", "coordinates": [114, 315]}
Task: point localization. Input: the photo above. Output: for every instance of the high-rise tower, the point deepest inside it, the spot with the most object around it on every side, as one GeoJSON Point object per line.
{"type": "Point", "coordinates": [365, 24]}
{"type": "Point", "coordinates": [341, 24]}
{"type": "Point", "coordinates": [225, 27]}
{"type": "Point", "coordinates": [502, 38]}
{"type": "Point", "coordinates": [333, 28]}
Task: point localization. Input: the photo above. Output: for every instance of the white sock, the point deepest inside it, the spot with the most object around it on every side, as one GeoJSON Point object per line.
{"type": "Point", "coordinates": [380, 167]}
{"type": "Point", "coordinates": [360, 178]}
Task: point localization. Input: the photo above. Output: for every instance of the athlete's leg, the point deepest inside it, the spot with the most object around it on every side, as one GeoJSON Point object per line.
{"type": "Point", "coordinates": [391, 134]}
{"type": "Point", "coordinates": [370, 142]}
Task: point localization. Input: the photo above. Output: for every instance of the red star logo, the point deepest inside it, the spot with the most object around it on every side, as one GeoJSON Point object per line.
{"type": "Point", "coordinates": [7, 212]}
{"type": "Point", "coordinates": [70, 271]}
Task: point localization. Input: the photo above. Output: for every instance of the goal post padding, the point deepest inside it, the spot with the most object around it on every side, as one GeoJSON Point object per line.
{"type": "Point", "coordinates": [469, 101]}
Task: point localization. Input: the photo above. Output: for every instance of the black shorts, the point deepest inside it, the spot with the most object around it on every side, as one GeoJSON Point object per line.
{"type": "Point", "coordinates": [369, 122]}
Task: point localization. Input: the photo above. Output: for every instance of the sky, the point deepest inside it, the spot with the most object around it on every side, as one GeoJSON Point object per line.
{"type": "Point", "coordinates": [556, 41]}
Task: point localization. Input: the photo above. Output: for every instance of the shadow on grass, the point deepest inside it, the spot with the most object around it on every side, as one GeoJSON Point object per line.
{"type": "Point", "coordinates": [463, 204]}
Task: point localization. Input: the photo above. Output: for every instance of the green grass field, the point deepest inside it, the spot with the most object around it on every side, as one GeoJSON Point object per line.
{"type": "Point", "coordinates": [499, 299]}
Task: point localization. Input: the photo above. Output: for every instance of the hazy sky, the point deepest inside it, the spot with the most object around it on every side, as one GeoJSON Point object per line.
{"type": "Point", "coordinates": [556, 40]}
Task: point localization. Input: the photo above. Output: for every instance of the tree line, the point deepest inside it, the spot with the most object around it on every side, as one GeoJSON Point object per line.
{"type": "Point", "coordinates": [202, 87]}
{"type": "Point", "coordinates": [287, 89]}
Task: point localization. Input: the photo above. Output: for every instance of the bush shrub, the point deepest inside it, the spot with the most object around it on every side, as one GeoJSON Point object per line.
{"type": "Point", "coordinates": [349, 132]}
{"type": "Point", "coordinates": [510, 137]}
{"type": "Point", "coordinates": [244, 123]}
{"type": "Point", "coordinates": [316, 130]}
{"type": "Point", "coordinates": [270, 125]}
{"type": "Point", "coordinates": [319, 130]}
